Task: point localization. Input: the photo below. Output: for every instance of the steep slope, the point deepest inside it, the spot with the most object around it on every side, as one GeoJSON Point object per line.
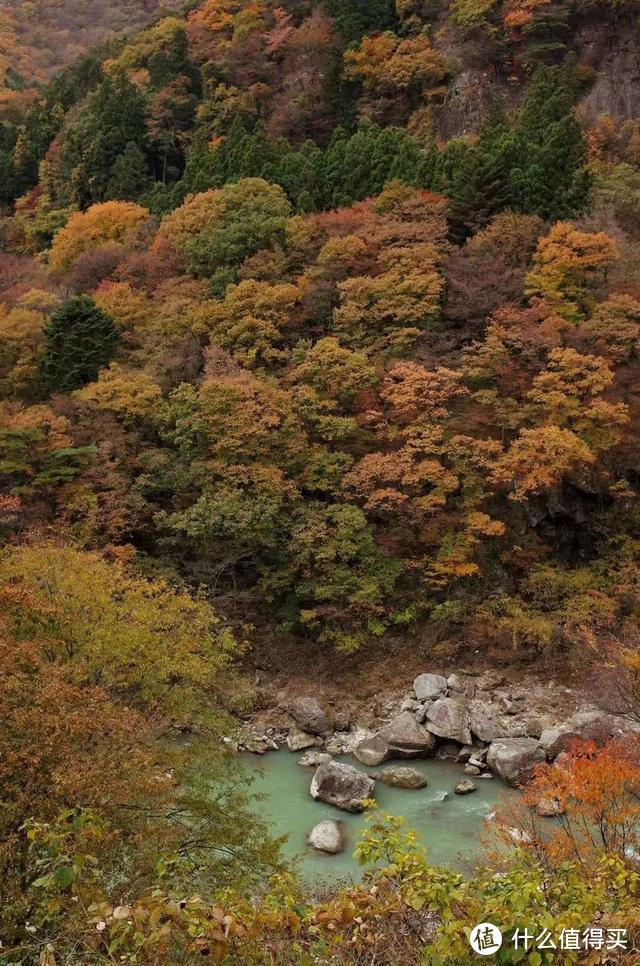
{"type": "Point", "coordinates": [37, 39]}
{"type": "Point", "coordinates": [347, 374]}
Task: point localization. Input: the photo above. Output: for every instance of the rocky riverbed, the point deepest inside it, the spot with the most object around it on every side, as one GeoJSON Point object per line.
{"type": "Point", "coordinates": [491, 724]}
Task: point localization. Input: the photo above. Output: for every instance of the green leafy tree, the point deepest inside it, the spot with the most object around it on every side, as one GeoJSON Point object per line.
{"type": "Point", "coordinates": [217, 230]}
{"type": "Point", "coordinates": [26, 464]}
{"type": "Point", "coordinates": [339, 577]}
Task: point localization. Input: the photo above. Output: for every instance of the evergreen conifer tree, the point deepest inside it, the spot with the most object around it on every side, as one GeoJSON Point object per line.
{"type": "Point", "coordinates": [113, 119]}
{"type": "Point", "coordinates": [129, 175]}
{"type": "Point", "coordinates": [357, 17]}
{"type": "Point", "coordinates": [480, 188]}
{"type": "Point", "coordinates": [79, 340]}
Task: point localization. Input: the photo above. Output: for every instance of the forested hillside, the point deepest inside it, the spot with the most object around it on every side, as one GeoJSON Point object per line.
{"type": "Point", "coordinates": [306, 324]}
{"type": "Point", "coordinates": [319, 323]}
{"type": "Point", "coordinates": [37, 39]}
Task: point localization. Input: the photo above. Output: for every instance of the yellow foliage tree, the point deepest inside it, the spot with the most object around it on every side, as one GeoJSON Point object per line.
{"type": "Point", "coordinates": [253, 319]}
{"type": "Point", "coordinates": [128, 394]}
{"type": "Point", "coordinates": [540, 459]}
{"type": "Point", "coordinates": [128, 307]}
{"type": "Point", "coordinates": [404, 296]}
{"type": "Point", "coordinates": [21, 345]}
{"type": "Point", "coordinates": [160, 648]}
{"type": "Point", "coordinates": [567, 393]}
{"type": "Point", "coordinates": [111, 221]}
{"type": "Point", "coordinates": [568, 267]}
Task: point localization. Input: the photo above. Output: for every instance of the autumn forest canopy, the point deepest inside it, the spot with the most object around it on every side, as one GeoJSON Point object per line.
{"type": "Point", "coordinates": [319, 326]}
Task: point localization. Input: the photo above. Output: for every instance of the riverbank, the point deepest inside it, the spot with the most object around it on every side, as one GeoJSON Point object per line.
{"type": "Point", "coordinates": [503, 725]}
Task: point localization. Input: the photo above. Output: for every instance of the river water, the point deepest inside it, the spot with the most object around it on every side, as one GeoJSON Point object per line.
{"type": "Point", "coordinates": [451, 826]}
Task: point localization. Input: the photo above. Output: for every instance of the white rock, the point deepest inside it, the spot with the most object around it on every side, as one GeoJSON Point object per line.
{"type": "Point", "coordinates": [328, 836]}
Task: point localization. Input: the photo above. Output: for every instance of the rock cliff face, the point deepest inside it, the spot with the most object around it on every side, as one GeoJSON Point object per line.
{"type": "Point", "coordinates": [615, 57]}
{"type": "Point", "coordinates": [611, 51]}
{"type": "Point", "coordinates": [468, 102]}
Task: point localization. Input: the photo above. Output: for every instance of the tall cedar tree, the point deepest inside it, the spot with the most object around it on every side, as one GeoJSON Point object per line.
{"type": "Point", "coordinates": [79, 340]}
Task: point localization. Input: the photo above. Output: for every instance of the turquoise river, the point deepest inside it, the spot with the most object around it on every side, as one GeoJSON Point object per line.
{"type": "Point", "coordinates": [451, 826]}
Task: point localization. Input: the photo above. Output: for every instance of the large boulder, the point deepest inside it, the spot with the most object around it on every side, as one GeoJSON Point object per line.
{"type": "Point", "coordinates": [401, 777]}
{"type": "Point", "coordinates": [311, 716]}
{"type": "Point", "coordinates": [372, 752]}
{"type": "Point", "coordinates": [429, 686]}
{"type": "Point", "coordinates": [342, 786]}
{"type": "Point", "coordinates": [299, 740]}
{"type": "Point", "coordinates": [515, 758]}
{"type": "Point", "coordinates": [449, 718]}
{"type": "Point", "coordinates": [407, 738]}
{"type": "Point", "coordinates": [328, 836]}
{"type": "Point", "coordinates": [595, 726]}
{"type": "Point", "coordinates": [484, 724]}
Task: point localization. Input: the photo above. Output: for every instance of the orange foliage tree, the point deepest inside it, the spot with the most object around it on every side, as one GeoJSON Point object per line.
{"type": "Point", "coordinates": [593, 793]}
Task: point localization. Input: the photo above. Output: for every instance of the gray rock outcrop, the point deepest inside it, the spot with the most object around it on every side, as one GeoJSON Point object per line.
{"type": "Point", "coordinates": [595, 726]}
{"type": "Point", "coordinates": [406, 738]}
{"type": "Point", "coordinates": [514, 759]}
{"type": "Point", "coordinates": [311, 716]}
{"type": "Point", "coordinates": [449, 718]}
{"type": "Point", "coordinates": [372, 752]}
{"type": "Point", "coordinates": [298, 740]}
{"type": "Point", "coordinates": [428, 687]}
{"type": "Point", "coordinates": [483, 723]}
